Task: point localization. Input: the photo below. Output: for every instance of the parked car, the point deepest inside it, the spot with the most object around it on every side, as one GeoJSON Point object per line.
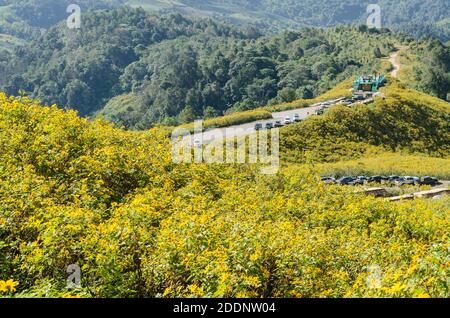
{"type": "Point", "coordinates": [345, 180]}
{"type": "Point", "coordinates": [328, 180]}
{"type": "Point", "coordinates": [287, 120]}
{"type": "Point", "coordinates": [360, 180]}
{"type": "Point", "coordinates": [416, 180]}
{"type": "Point", "coordinates": [278, 124]}
{"type": "Point", "coordinates": [297, 117]}
{"type": "Point", "coordinates": [403, 181]}
{"type": "Point", "coordinates": [357, 181]}
{"type": "Point", "coordinates": [394, 178]}
{"type": "Point", "coordinates": [376, 179]}
{"type": "Point", "coordinates": [320, 111]}
{"type": "Point", "coordinates": [269, 126]}
{"type": "Point", "coordinates": [408, 180]}
{"type": "Point", "coordinates": [429, 181]}
{"type": "Point", "coordinates": [347, 102]}
{"type": "Point", "coordinates": [258, 126]}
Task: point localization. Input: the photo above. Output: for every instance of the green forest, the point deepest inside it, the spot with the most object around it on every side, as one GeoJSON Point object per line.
{"type": "Point", "coordinates": [139, 69]}
{"type": "Point", "coordinates": [420, 18]}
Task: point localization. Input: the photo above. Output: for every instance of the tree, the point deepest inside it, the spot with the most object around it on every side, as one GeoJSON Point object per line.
{"type": "Point", "coordinates": [210, 112]}
{"type": "Point", "coordinates": [187, 115]}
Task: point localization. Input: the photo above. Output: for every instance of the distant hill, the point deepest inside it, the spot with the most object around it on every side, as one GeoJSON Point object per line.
{"type": "Point", "coordinates": [176, 69]}
{"type": "Point", "coordinates": [416, 17]}
{"type": "Point", "coordinates": [139, 69]}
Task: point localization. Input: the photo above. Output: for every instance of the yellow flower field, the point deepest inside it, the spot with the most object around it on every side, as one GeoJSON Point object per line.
{"type": "Point", "coordinates": [138, 225]}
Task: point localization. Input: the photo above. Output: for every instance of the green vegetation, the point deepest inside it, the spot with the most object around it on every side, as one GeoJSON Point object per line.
{"type": "Point", "coordinates": [139, 70]}
{"type": "Point", "coordinates": [406, 121]}
{"type": "Point", "coordinates": [170, 66]}
{"type": "Point", "coordinates": [112, 201]}
{"type": "Point", "coordinates": [340, 90]}
{"type": "Point", "coordinates": [426, 67]}
{"type": "Point", "coordinates": [420, 18]}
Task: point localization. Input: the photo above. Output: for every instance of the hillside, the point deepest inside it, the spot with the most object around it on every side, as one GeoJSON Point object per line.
{"type": "Point", "coordinates": [113, 202]}
{"type": "Point", "coordinates": [215, 68]}
{"type": "Point", "coordinates": [415, 17]}
{"type": "Point", "coordinates": [407, 121]}
{"type": "Point", "coordinates": [426, 67]}
{"type": "Point", "coordinates": [88, 174]}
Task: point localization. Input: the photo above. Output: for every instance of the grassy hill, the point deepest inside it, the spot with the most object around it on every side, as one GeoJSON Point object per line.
{"type": "Point", "coordinates": [406, 120]}
{"type": "Point", "coordinates": [112, 201]}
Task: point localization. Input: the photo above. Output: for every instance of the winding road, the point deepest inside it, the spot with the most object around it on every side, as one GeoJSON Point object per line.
{"type": "Point", "coordinates": [248, 128]}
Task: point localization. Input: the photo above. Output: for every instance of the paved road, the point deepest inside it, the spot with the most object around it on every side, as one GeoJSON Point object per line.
{"type": "Point", "coordinates": [248, 128]}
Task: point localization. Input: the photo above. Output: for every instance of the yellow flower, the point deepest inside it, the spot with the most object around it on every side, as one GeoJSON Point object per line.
{"type": "Point", "coordinates": [8, 286]}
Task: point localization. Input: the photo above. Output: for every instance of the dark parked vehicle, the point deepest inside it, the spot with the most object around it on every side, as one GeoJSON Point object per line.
{"type": "Point", "coordinates": [320, 111]}
{"type": "Point", "coordinates": [278, 124]}
{"type": "Point", "coordinates": [376, 179]}
{"type": "Point", "coordinates": [360, 180]}
{"type": "Point", "coordinates": [258, 126]}
{"type": "Point", "coordinates": [328, 180]}
{"type": "Point", "coordinates": [269, 126]}
{"type": "Point", "coordinates": [394, 178]}
{"type": "Point", "coordinates": [416, 180]}
{"type": "Point", "coordinates": [345, 180]}
{"type": "Point", "coordinates": [429, 181]}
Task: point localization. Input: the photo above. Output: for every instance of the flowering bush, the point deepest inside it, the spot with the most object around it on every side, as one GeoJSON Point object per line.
{"type": "Point", "coordinates": [112, 202]}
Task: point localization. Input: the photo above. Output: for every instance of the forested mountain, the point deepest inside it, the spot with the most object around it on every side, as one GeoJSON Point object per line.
{"type": "Point", "coordinates": [420, 18]}
{"type": "Point", "coordinates": [174, 68]}
{"type": "Point", "coordinates": [138, 69]}
{"type": "Point", "coordinates": [426, 67]}
{"type": "Point", "coordinates": [21, 16]}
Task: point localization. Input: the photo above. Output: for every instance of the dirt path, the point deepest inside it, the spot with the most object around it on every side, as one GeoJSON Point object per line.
{"type": "Point", "coordinates": [393, 58]}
